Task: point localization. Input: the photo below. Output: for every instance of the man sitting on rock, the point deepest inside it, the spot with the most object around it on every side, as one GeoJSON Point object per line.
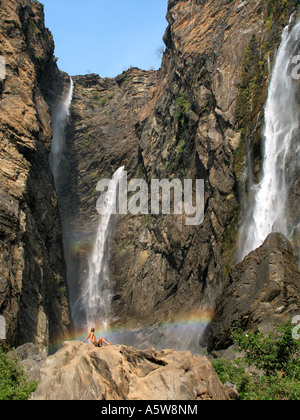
{"type": "Point", "coordinates": [94, 342]}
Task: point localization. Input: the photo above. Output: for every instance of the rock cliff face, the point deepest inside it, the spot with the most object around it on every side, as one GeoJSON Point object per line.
{"type": "Point", "coordinates": [195, 118]}
{"type": "Point", "coordinates": [80, 372]}
{"type": "Point", "coordinates": [33, 290]}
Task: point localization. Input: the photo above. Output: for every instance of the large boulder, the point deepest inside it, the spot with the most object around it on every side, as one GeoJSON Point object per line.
{"type": "Point", "coordinates": [81, 372]}
{"type": "Point", "coordinates": [261, 291]}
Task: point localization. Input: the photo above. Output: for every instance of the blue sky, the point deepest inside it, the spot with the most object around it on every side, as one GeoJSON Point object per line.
{"type": "Point", "coordinates": [106, 36]}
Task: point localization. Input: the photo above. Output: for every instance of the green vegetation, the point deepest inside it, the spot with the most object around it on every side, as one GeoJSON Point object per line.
{"type": "Point", "coordinates": [182, 108]}
{"type": "Point", "coordinates": [180, 150]}
{"type": "Point", "coordinates": [102, 101]}
{"type": "Point", "coordinates": [274, 363]}
{"type": "Point", "coordinates": [14, 383]}
{"type": "Point", "coordinates": [95, 94]}
{"type": "Point", "coordinates": [122, 78]}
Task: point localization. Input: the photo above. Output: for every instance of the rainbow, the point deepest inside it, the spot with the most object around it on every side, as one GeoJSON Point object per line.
{"type": "Point", "coordinates": [193, 322]}
{"type": "Point", "coordinates": [81, 243]}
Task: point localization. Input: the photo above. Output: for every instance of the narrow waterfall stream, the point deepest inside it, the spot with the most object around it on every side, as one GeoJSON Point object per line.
{"type": "Point", "coordinates": [96, 293]}
{"type": "Point", "coordinates": [59, 122]}
{"type": "Point", "coordinates": [275, 208]}
{"type": "Point", "coordinates": [58, 155]}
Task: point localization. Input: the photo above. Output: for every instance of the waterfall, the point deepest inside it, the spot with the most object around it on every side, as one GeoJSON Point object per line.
{"type": "Point", "coordinates": [58, 153]}
{"type": "Point", "coordinates": [274, 207]}
{"type": "Point", "coordinates": [93, 301]}
{"type": "Point", "coordinates": [59, 122]}
{"type": "Point", "coordinates": [96, 294]}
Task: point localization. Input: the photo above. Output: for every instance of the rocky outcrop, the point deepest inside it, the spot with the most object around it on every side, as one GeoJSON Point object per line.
{"type": "Point", "coordinates": [260, 292]}
{"type": "Point", "coordinates": [192, 119]}
{"type": "Point", "coordinates": [33, 290]}
{"type": "Point", "coordinates": [81, 372]}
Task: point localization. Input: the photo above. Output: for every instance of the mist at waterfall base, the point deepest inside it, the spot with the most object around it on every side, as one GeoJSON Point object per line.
{"type": "Point", "coordinates": [273, 204]}
{"type": "Point", "coordinates": [182, 334]}
{"type": "Point", "coordinates": [91, 297]}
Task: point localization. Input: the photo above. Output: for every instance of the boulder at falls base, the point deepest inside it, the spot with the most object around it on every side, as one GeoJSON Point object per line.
{"type": "Point", "coordinates": [81, 372]}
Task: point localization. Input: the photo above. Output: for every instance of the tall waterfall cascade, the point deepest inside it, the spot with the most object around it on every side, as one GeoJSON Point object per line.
{"type": "Point", "coordinates": [93, 300]}
{"type": "Point", "coordinates": [275, 203]}
{"type": "Point", "coordinates": [58, 155]}
{"type": "Point", "coordinates": [59, 122]}
{"type": "Point", "coordinates": [96, 293]}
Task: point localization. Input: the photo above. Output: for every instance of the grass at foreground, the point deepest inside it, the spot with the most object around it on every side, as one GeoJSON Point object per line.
{"type": "Point", "coordinates": [14, 383]}
{"type": "Point", "coordinates": [270, 369]}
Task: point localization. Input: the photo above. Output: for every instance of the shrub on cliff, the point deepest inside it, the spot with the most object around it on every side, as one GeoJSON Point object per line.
{"type": "Point", "coordinates": [182, 108]}
{"type": "Point", "coordinates": [14, 384]}
{"type": "Point", "coordinates": [277, 353]}
{"type": "Point", "coordinates": [270, 369]}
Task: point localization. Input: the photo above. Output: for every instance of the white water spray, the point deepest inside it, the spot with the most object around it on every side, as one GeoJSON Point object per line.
{"type": "Point", "coordinates": [96, 295]}
{"type": "Point", "coordinates": [272, 210]}
{"type": "Point", "coordinates": [59, 122]}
